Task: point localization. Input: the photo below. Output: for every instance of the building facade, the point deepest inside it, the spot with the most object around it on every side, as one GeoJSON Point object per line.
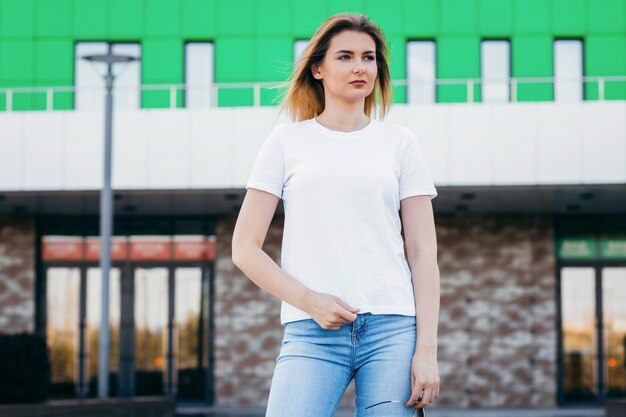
{"type": "Point", "coordinates": [519, 107]}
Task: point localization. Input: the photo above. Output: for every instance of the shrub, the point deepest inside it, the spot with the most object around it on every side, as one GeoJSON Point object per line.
{"type": "Point", "coordinates": [24, 368]}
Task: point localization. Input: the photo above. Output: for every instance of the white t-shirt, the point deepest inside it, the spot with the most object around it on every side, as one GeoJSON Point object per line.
{"type": "Point", "coordinates": [341, 194]}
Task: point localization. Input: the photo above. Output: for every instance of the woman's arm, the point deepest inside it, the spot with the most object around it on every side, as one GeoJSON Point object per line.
{"type": "Point", "coordinates": [255, 216]}
{"type": "Point", "coordinates": [421, 247]}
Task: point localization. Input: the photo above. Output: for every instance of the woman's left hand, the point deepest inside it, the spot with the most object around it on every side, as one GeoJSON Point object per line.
{"type": "Point", "coordinates": [424, 377]}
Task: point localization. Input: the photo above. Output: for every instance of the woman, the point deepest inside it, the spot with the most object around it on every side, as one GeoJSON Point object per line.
{"type": "Point", "coordinates": [351, 304]}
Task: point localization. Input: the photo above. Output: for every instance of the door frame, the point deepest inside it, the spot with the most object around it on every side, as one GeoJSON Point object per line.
{"type": "Point", "coordinates": [126, 383]}
{"type": "Point", "coordinates": [597, 266]}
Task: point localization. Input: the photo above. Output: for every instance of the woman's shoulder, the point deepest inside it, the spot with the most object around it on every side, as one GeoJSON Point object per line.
{"type": "Point", "coordinates": [290, 126]}
{"type": "Point", "coordinates": [394, 127]}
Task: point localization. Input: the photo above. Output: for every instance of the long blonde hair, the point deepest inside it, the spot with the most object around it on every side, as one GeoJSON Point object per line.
{"type": "Point", "coordinates": [304, 97]}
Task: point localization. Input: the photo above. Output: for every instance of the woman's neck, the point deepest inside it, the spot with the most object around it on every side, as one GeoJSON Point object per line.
{"type": "Point", "coordinates": [342, 118]}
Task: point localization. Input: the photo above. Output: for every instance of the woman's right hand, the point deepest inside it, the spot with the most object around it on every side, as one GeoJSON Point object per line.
{"type": "Point", "coordinates": [329, 311]}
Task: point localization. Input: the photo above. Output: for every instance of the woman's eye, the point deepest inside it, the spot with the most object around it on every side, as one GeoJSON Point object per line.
{"type": "Point", "coordinates": [370, 57]}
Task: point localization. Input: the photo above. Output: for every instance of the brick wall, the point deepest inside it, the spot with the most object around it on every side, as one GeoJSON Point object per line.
{"type": "Point", "coordinates": [17, 275]}
{"type": "Point", "coordinates": [497, 336]}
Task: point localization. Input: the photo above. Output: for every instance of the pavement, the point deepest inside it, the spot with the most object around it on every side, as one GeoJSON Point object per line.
{"type": "Point", "coordinates": [431, 411]}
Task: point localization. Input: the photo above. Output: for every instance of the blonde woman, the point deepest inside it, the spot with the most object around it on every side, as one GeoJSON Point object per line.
{"type": "Point", "coordinates": [354, 303]}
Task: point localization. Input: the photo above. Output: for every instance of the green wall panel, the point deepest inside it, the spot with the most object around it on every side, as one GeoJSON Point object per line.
{"type": "Point", "coordinates": [54, 59]}
{"type": "Point", "coordinates": [234, 60]}
{"type": "Point", "coordinates": [569, 17]}
{"type": "Point", "coordinates": [90, 19]}
{"type": "Point", "coordinates": [532, 57]}
{"type": "Point", "coordinates": [24, 101]}
{"type": "Point", "coordinates": [162, 63]}
{"type": "Point", "coordinates": [276, 68]}
{"type": "Point", "coordinates": [606, 55]}
{"type": "Point", "coordinates": [533, 16]}
{"type": "Point", "coordinates": [126, 19]}
{"type": "Point", "coordinates": [18, 54]}
{"type": "Point", "coordinates": [606, 16]}
{"type": "Point", "coordinates": [233, 97]}
{"type": "Point", "coordinates": [60, 100]}
{"type": "Point", "coordinates": [254, 40]}
{"type": "Point", "coordinates": [270, 97]}
{"type": "Point", "coordinates": [18, 18]}
{"type": "Point", "coordinates": [54, 18]}
{"type": "Point", "coordinates": [495, 17]}
{"type": "Point", "coordinates": [421, 18]}
{"type": "Point", "coordinates": [272, 17]}
{"type": "Point", "coordinates": [160, 99]}
{"type": "Point", "coordinates": [162, 59]}
{"type": "Point", "coordinates": [307, 16]}
{"type": "Point", "coordinates": [199, 19]}
{"type": "Point", "coordinates": [339, 6]}
{"type": "Point", "coordinates": [459, 16]}
{"type": "Point", "coordinates": [236, 18]}
{"type": "Point", "coordinates": [397, 49]}
{"type": "Point", "coordinates": [457, 57]}
{"type": "Point", "coordinates": [37, 102]}
{"type": "Point", "coordinates": [387, 14]}
{"type": "Point", "coordinates": [162, 18]}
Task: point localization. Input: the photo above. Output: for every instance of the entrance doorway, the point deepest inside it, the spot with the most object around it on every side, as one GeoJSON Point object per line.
{"type": "Point", "coordinates": [592, 342]}
{"type": "Point", "coordinates": [159, 318]}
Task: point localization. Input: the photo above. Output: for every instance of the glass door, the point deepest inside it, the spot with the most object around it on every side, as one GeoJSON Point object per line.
{"type": "Point", "coordinates": [151, 317]}
{"type": "Point", "coordinates": [159, 329]}
{"type": "Point", "coordinates": [189, 369]}
{"type": "Point", "coordinates": [593, 333]}
{"type": "Point", "coordinates": [579, 336]}
{"type": "Point", "coordinates": [62, 332]}
{"type": "Point", "coordinates": [94, 310]}
{"type": "Point", "coordinates": [614, 330]}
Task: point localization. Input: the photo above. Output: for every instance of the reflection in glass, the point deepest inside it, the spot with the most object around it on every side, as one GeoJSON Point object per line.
{"type": "Point", "coordinates": [496, 71]}
{"type": "Point", "coordinates": [89, 82]}
{"type": "Point", "coordinates": [199, 78]}
{"type": "Point", "coordinates": [568, 70]}
{"type": "Point", "coordinates": [63, 291]}
{"type": "Point", "coordinates": [150, 330]}
{"type": "Point", "coordinates": [579, 347]}
{"type": "Point", "coordinates": [421, 75]}
{"type": "Point", "coordinates": [188, 298]}
{"type": "Point", "coordinates": [94, 308]}
{"type": "Point", "coordinates": [298, 48]}
{"type": "Point", "coordinates": [614, 320]}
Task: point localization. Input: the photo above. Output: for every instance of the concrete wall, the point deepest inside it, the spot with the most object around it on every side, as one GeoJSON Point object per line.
{"type": "Point", "coordinates": [17, 275]}
{"type": "Point", "coordinates": [487, 144]}
{"type": "Point", "coordinates": [497, 334]}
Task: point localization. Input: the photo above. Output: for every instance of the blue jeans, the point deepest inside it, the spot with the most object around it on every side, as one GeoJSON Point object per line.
{"type": "Point", "coordinates": [316, 365]}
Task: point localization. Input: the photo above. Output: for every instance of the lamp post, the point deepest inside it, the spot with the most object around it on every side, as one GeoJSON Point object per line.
{"type": "Point", "coordinates": [106, 215]}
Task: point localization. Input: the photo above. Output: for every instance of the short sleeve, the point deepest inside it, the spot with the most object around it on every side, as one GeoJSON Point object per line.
{"type": "Point", "coordinates": [415, 176]}
{"type": "Point", "coordinates": [268, 170]}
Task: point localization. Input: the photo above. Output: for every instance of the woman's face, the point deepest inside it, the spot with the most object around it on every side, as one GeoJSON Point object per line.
{"type": "Point", "coordinates": [351, 56]}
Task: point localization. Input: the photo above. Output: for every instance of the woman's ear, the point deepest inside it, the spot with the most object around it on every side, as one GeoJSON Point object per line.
{"type": "Point", "coordinates": [315, 70]}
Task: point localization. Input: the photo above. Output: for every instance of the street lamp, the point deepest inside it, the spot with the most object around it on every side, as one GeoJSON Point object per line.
{"type": "Point", "coordinates": [106, 216]}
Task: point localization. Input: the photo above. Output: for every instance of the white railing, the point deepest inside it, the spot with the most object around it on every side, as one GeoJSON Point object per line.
{"type": "Point", "coordinates": [257, 87]}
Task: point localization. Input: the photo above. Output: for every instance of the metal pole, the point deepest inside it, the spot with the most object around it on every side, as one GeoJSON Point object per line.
{"type": "Point", "coordinates": [106, 222]}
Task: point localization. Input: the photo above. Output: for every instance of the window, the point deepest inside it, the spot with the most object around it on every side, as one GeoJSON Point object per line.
{"type": "Point", "coordinates": [568, 70]}
{"type": "Point", "coordinates": [298, 47]}
{"type": "Point", "coordinates": [421, 72]}
{"type": "Point", "coordinates": [90, 84]}
{"type": "Point", "coordinates": [199, 78]}
{"type": "Point", "coordinates": [496, 70]}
